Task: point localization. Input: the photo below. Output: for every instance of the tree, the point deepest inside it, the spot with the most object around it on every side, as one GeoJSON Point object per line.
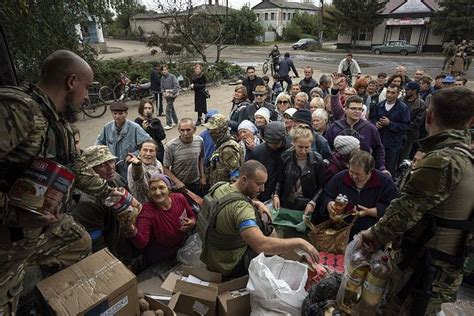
{"type": "Point", "coordinates": [354, 16]}
{"type": "Point", "coordinates": [200, 29]}
{"type": "Point", "coordinates": [454, 19]}
{"type": "Point", "coordinates": [124, 11]}
{"type": "Point", "coordinates": [241, 26]}
{"type": "Point", "coordinates": [302, 25]}
{"type": "Point", "coordinates": [37, 28]}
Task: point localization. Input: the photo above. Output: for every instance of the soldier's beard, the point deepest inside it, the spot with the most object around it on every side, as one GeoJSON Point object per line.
{"type": "Point", "coordinates": [70, 112]}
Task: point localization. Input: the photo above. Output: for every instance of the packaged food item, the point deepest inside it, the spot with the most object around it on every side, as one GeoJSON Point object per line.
{"type": "Point", "coordinates": [42, 188]}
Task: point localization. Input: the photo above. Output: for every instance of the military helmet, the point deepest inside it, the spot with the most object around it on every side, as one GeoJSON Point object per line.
{"type": "Point", "coordinates": [216, 121]}
{"type": "Point", "coordinates": [97, 154]}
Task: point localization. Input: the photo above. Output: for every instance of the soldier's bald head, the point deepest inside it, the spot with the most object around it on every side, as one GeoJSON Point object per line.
{"type": "Point", "coordinates": [61, 64]}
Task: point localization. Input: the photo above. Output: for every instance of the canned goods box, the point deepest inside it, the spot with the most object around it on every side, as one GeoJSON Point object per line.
{"type": "Point", "coordinates": [98, 285]}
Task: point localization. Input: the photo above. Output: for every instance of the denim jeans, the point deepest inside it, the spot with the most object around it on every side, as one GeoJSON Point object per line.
{"type": "Point", "coordinates": [170, 112]}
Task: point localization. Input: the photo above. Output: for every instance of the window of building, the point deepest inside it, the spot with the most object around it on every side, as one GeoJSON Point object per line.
{"type": "Point", "coordinates": [289, 16]}
{"type": "Point", "coordinates": [272, 16]}
{"type": "Point", "coordinates": [258, 16]}
{"type": "Point", "coordinates": [266, 16]}
{"type": "Point", "coordinates": [405, 33]}
{"type": "Point", "coordinates": [364, 35]}
{"type": "Point", "coordinates": [284, 16]}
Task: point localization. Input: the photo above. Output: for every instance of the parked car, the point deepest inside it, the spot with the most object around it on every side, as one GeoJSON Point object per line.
{"type": "Point", "coordinates": [401, 47]}
{"type": "Point", "coordinates": [304, 43]}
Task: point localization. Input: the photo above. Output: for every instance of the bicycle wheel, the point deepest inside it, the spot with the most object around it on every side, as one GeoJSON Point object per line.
{"type": "Point", "coordinates": [106, 94]}
{"type": "Point", "coordinates": [217, 80]}
{"type": "Point", "coordinates": [184, 83]}
{"type": "Point", "coordinates": [265, 68]}
{"type": "Point", "coordinates": [94, 110]}
{"type": "Point", "coordinates": [118, 91]}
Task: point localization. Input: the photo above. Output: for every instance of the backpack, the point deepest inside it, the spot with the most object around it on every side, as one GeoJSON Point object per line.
{"type": "Point", "coordinates": [351, 131]}
{"type": "Point", "coordinates": [206, 223]}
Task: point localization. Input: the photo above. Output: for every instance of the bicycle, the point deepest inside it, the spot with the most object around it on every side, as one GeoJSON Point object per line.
{"type": "Point", "coordinates": [269, 64]}
{"type": "Point", "coordinates": [183, 82]}
{"type": "Point", "coordinates": [95, 106]}
{"type": "Point", "coordinates": [214, 76]}
{"type": "Point", "coordinates": [233, 73]}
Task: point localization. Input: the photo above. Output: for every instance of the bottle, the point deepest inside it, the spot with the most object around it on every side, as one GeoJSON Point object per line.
{"type": "Point", "coordinates": [340, 203]}
{"type": "Point", "coordinates": [374, 286]}
{"type": "Point", "coordinates": [353, 280]}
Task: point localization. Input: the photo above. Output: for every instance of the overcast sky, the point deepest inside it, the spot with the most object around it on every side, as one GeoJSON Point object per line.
{"type": "Point", "coordinates": [236, 4]}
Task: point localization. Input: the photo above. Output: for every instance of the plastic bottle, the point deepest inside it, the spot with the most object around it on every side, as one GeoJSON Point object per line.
{"type": "Point", "coordinates": [374, 286]}
{"type": "Point", "coordinates": [340, 203]}
{"type": "Point", "coordinates": [356, 272]}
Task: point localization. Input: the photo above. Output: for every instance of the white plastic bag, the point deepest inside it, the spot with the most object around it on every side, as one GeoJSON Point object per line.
{"type": "Point", "coordinates": [276, 286]}
{"type": "Point", "coordinates": [190, 253]}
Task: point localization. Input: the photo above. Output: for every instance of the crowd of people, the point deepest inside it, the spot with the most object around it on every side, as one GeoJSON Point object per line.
{"type": "Point", "coordinates": [294, 147]}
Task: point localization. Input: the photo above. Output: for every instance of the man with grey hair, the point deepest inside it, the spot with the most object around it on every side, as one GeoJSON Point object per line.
{"type": "Point", "coordinates": [402, 71]}
{"type": "Point", "coordinates": [301, 101]}
{"type": "Point", "coordinates": [325, 84]}
{"type": "Point", "coordinates": [183, 161]}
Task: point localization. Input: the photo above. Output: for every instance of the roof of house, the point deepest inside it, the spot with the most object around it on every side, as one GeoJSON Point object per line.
{"type": "Point", "coordinates": [203, 8]}
{"type": "Point", "coordinates": [410, 6]}
{"type": "Point", "coordinates": [267, 4]}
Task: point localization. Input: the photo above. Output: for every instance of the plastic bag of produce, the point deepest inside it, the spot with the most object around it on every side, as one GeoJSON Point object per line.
{"type": "Point", "coordinates": [190, 253]}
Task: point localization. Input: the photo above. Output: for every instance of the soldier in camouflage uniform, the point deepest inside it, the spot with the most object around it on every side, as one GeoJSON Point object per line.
{"type": "Point", "coordinates": [228, 156]}
{"type": "Point", "coordinates": [35, 123]}
{"type": "Point", "coordinates": [433, 214]}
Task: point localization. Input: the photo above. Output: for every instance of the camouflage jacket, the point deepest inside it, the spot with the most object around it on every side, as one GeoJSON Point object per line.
{"type": "Point", "coordinates": [440, 184]}
{"type": "Point", "coordinates": [227, 158]}
{"type": "Point", "coordinates": [30, 129]}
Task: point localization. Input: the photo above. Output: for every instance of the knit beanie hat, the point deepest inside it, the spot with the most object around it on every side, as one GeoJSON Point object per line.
{"type": "Point", "coordinates": [303, 116]}
{"type": "Point", "coordinates": [344, 145]}
{"type": "Point", "coordinates": [246, 124]}
{"type": "Point", "coordinates": [274, 132]}
{"type": "Point", "coordinates": [265, 113]}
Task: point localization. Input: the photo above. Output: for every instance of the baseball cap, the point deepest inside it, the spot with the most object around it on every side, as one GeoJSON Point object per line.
{"type": "Point", "coordinates": [448, 79]}
{"type": "Point", "coordinates": [217, 121]}
{"type": "Point", "coordinates": [413, 85]}
{"type": "Point", "coordinates": [97, 154]}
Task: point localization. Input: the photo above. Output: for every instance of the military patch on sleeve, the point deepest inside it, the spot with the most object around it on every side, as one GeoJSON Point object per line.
{"type": "Point", "coordinates": [429, 175]}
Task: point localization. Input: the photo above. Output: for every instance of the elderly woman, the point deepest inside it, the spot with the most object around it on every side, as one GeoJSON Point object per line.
{"type": "Point", "coordinates": [344, 147]}
{"type": "Point", "coordinates": [361, 88]}
{"type": "Point", "coordinates": [161, 226]}
{"type": "Point", "coordinates": [282, 103]}
{"type": "Point", "coordinates": [369, 192]}
{"type": "Point", "coordinates": [238, 112]}
{"type": "Point", "coordinates": [262, 118]}
{"type": "Point", "coordinates": [288, 119]}
{"type": "Point", "coordinates": [248, 137]}
{"type": "Point", "coordinates": [316, 103]}
{"type": "Point", "coordinates": [301, 180]}
{"type": "Point", "coordinates": [320, 119]}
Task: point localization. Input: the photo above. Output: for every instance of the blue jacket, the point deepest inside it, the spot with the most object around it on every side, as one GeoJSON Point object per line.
{"type": "Point", "coordinates": [393, 135]}
{"type": "Point", "coordinates": [378, 192]}
{"type": "Point", "coordinates": [128, 140]}
{"type": "Point", "coordinates": [209, 146]}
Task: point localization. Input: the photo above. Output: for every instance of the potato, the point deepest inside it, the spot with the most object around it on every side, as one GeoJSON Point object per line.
{"type": "Point", "coordinates": [148, 313]}
{"type": "Point", "coordinates": [159, 312]}
{"type": "Point", "coordinates": [140, 294]}
{"type": "Point", "coordinates": [144, 305]}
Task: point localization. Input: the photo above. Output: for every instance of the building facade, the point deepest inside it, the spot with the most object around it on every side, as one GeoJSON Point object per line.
{"type": "Point", "coordinates": [403, 20]}
{"type": "Point", "coordinates": [274, 15]}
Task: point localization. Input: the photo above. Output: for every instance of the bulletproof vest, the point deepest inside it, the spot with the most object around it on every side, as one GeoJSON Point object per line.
{"type": "Point", "coordinates": [218, 170]}
{"type": "Point", "coordinates": [456, 208]}
{"type": "Point", "coordinates": [57, 143]}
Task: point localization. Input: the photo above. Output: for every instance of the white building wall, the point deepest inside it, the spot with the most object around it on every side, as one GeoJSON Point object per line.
{"type": "Point", "coordinates": [434, 39]}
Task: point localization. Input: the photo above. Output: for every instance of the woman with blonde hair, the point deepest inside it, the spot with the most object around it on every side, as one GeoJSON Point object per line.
{"type": "Point", "coordinates": [301, 180]}
{"type": "Point", "coordinates": [282, 103]}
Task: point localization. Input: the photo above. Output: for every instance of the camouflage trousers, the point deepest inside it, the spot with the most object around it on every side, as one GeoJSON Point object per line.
{"type": "Point", "coordinates": [60, 245]}
{"type": "Point", "coordinates": [444, 288]}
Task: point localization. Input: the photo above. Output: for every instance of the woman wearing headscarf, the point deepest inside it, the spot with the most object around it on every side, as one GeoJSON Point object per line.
{"type": "Point", "coordinates": [248, 137]}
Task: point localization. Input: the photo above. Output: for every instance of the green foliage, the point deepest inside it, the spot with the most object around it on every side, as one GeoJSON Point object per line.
{"type": "Point", "coordinates": [455, 19]}
{"type": "Point", "coordinates": [352, 16]}
{"type": "Point", "coordinates": [302, 25]}
{"type": "Point", "coordinates": [120, 27]}
{"type": "Point", "coordinates": [241, 27]}
{"type": "Point", "coordinates": [34, 29]}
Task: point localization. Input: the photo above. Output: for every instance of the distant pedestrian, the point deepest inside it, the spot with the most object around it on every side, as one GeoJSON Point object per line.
{"type": "Point", "coordinates": [349, 66]}
{"type": "Point", "coordinates": [155, 80]}
{"type": "Point", "coordinates": [200, 96]}
{"type": "Point", "coordinates": [284, 70]}
{"type": "Point", "coordinates": [170, 88]}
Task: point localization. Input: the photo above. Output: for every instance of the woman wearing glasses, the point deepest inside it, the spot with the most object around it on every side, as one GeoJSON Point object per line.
{"type": "Point", "coordinates": [282, 103]}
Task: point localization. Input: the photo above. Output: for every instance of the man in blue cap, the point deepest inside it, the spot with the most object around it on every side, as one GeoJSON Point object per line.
{"type": "Point", "coordinates": [416, 129]}
{"type": "Point", "coordinates": [448, 81]}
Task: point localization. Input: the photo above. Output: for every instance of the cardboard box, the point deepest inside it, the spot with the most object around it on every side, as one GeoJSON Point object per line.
{"type": "Point", "coordinates": [233, 306]}
{"type": "Point", "coordinates": [167, 309]}
{"type": "Point", "coordinates": [198, 299]}
{"type": "Point", "coordinates": [98, 285]}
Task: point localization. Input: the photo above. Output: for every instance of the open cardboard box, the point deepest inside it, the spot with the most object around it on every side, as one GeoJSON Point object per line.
{"type": "Point", "coordinates": [233, 306]}
{"type": "Point", "coordinates": [97, 285]}
{"type": "Point", "coordinates": [199, 299]}
{"type": "Point", "coordinates": [167, 309]}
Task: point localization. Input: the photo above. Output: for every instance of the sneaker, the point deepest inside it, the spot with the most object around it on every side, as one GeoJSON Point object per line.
{"type": "Point", "coordinates": [167, 127]}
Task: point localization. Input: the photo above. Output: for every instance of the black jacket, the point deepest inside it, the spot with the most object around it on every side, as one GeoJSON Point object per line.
{"type": "Point", "coordinates": [271, 159]}
{"type": "Point", "coordinates": [311, 178]}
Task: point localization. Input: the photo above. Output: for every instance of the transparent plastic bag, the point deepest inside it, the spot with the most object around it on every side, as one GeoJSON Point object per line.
{"type": "Point", "coordinates": [190, 253]}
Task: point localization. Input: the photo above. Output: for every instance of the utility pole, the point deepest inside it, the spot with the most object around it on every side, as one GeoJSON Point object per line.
{"type": "Point", "coordinates": [321, 24]}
